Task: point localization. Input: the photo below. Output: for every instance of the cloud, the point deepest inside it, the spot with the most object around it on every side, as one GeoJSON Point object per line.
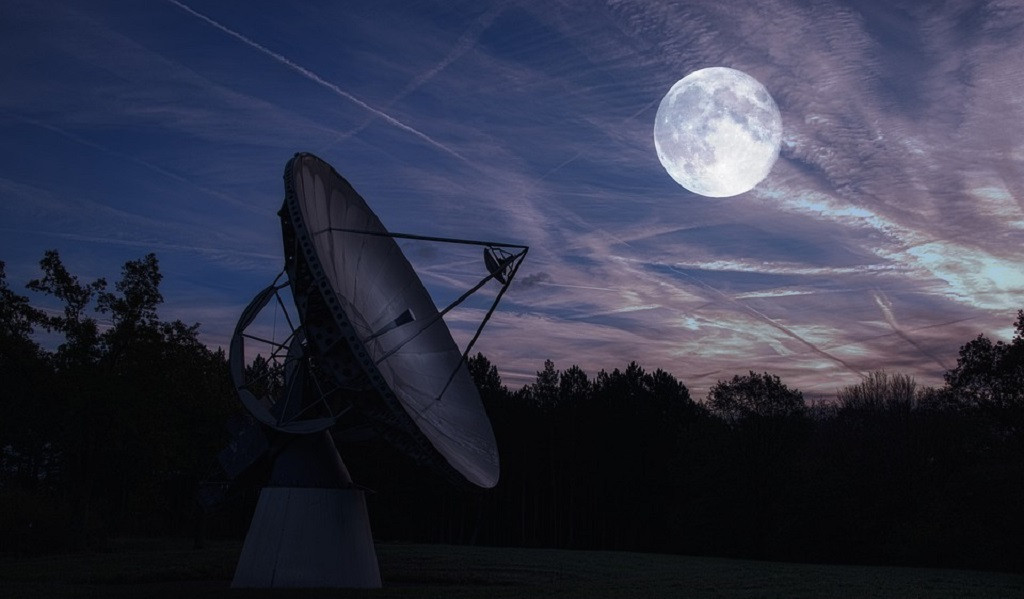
{"type": "Point", "coordinates": [308, 74]}
{"type": "Point", "coordinates": [463, 45]}
{"type": "Point", "coordinates": [886, 307]}
{"type": "Point", "coordinates": [78, 219]}
{"type": "Point", "coordinates": [164, 173]}
{"type": "Point", "coordinates": [532, 280]}
{"type": "Point", "coordinates": [896, 205]}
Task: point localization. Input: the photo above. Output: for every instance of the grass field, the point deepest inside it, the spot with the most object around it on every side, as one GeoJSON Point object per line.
{"type": "Point", "coordinates": [171, 568]}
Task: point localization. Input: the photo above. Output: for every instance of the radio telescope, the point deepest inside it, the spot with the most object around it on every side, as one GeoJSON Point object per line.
{"type": "Point", "coordinates": [360, 335]}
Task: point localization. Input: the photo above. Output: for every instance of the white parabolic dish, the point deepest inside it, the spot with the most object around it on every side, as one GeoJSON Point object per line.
{"type": "Point", "coordinates": [368, 282]}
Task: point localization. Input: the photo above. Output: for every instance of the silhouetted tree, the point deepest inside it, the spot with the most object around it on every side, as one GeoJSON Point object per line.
{"type": "Point", "coordinates": [264, 378]}
{"type": "Point", "coordinates": [131, 415]}
{"type": "Point", "coordinates": [17, 317]}
{"type": "Point", "coordinates": [880, 391]}
{"type": "Point", "coordinates": [80, 331]}
{"type": "Point", "coordinates": [132, 309]}
{"type": "Point", "coordinates": [26, 453]}
{"type": "Point", "coordinates": [110, 432]}
{"type": "Point", "coordinates": [754, 394]}
{"type": "Point", "coordinates": [485, 375]}
{"type": "Point", "coordinates": [767, 433]}
{"type": "Point", "coordinates": [986, 388]}
{"type": "Point", "coordinates": [545, 390]}
{"type": "Point", "coordinates": [574, 386]}
{"type": "Point", "coordinates": [991, 375]}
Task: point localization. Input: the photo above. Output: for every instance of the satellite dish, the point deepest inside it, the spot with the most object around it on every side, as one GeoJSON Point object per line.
{"type": "Point", "coordinates": [499, 263]}
{"type": "Point", "coordinates": [363, 335]}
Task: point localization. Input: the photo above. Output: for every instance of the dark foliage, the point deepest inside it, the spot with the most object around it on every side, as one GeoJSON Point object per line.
{"type": "Point", "coordinates": [112, 432]}
{"type": "Point", "coordinates": [755, 396]}
{"type": "Point", "coordinates": [890, 473]}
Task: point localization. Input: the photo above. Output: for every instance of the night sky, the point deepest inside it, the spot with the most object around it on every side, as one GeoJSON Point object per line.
{"type": "Point", "coordinates": [888, 233]}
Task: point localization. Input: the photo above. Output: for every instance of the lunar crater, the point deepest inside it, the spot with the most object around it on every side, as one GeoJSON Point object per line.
{"type": "Point", "coordinates": [718, 132]}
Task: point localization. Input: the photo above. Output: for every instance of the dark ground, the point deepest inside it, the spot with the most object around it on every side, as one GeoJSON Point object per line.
{"type": "Point", "coordinates": [172, 568]}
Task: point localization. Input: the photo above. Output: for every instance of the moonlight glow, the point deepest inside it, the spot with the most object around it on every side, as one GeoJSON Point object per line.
{"type": "Point", "coordinates": [717, 132]}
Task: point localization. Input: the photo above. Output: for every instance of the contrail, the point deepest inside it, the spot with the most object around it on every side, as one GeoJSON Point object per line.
{"type": "Point", "coordinates": [149, 165]}
{"type": "Point", "coordinates": [147, 244]}
{"type": "Point", "coordinates": [863, 340]}
{"type": "Point", "coordinates": [913, 330]}
{"type": "Point", "coordinates": [611, 312]}
{"type": "Point", "coordinates": [546, 284]}
{"type": "Point", "coordinates": [890, 319]}
{"type": "Point", "coordinates": [559, 167]}
{"type": "Point", "coordinates": [464, 44]}
{"type": "Point", "coordinates": [770, 321]}
{"type": "Point", "coordinates": [319, 80]}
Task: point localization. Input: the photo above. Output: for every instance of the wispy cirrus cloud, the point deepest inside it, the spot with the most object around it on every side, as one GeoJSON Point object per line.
{"type": "Point", "coordinates": [308, 74]}
{"type": "Point", "coordinates": [888, 233]}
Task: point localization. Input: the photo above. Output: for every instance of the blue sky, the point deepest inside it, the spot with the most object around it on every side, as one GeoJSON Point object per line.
{"type": "Point", "coordinates": [888, 233]}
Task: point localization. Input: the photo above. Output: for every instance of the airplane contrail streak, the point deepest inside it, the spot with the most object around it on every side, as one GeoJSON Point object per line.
{"type": "Point", "coordinates": [863, 340]}
{"type": "Point", "coordinates": [149, 165]}
{"type": "Point", "coordinates": [886, 307]}
{"type": "Point", "coordinates": [147, 244]}
{"type": "Point", "coordinates": [547, 284]}
{"type": "Point", "coordinates": [764, 317]}
{"type": "Point", "coordinates": [319, 80]}
{"type": "Point", "coordinates": [465, 43]}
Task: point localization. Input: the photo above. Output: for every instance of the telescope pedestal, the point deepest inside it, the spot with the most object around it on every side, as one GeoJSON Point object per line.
{"type": "Point", "coordinates": [309, 538]}
{"type": "Point", "coordinates": [311, 528]}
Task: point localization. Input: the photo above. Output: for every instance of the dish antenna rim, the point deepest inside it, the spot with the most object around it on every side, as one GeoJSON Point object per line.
{"type": "Point", "coordinates": [336, 345]}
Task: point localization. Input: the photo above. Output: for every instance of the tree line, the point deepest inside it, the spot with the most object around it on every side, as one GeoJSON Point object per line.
{"type": "Point", "coordinates": [113, 432]}
{"type": "Point", "coordinates": [108, 433]}
{"type": "Point", "coordinates": [889, 473]}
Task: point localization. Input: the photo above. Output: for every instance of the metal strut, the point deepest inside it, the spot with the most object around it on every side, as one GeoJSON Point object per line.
{"type": "Point", "coordinates": [515, 261]}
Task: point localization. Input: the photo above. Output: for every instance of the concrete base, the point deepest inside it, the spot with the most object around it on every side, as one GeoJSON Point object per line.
{"type": "Point", "coordinates": [309, 538]}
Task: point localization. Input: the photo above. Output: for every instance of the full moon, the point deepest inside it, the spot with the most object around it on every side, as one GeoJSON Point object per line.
{"type": "Point", "coordinates": [717, 132]}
